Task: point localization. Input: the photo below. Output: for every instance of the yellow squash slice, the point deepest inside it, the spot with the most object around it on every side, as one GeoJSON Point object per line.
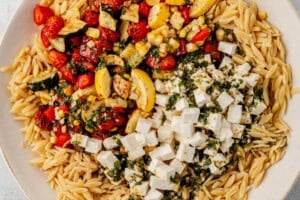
{"type": "Point", "coordinates": [103, 82]}
{"type": "Point", "coordinates": [200, 7]}
{"type": "Point", "coordinates": [175, 2]}
{"type": "Point", "coordinates": [158, 16]}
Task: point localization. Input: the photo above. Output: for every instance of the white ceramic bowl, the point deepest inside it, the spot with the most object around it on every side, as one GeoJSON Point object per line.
{"type": "Point", "coordinates": [280, 177]}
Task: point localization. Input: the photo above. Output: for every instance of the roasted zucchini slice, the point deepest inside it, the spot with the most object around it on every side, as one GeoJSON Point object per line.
{"type": "Point", "coordinates": [73, 27]}
{"type": "Point", "coordinates": [58, 44]}
{"type": "Point", "coordinates": [44, 81]}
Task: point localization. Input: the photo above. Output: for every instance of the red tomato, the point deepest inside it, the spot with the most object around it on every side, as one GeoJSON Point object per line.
{"type": "Point", "coordinates": [91, 17]}
{"type": "Point", "coordinates": [202, 35]}
{"type": "Point", "coordinates": [89, 66]}
{"type": "Point", "coordinates": [53, 25]}
{"type": "Point", "coordinates": [41, 120]}
{"type": "Point", "coordinates": [50, 113]}
{"type": "Point", "coordinates": [120, 120]}
{"type": "Point", "coordinates": [119, 109]}
{"type": "Point", "coordinates": [106, 126]}
{"type": "Point", "coordinates": [167, 63]}
{"type": "Point", "coordinates": [152, 61]}
{"type": "Point", "coordinates": [101, 136]}
{"type": "Point", "coordinates": [76, 57]}
{"type": "Point", "coordinates": [213, 50]}
{"type": "Point", "coordinates": [185, 13]}
{"type": "Point", "coordinates": [138, 31]}
{"type": "Point", "coordinates": [57, 59]}
{"type": "Point", "coordinates": [44, 38]}
{"type": "Point", "coordinates": [103, 45]}
{"type": "Point", "coordinates": [144, 9]}
{"type": "Point", "coordinates": [115, 5]}
{"type": "Point", "coordinates": [76, 41]}
{"type": "Point", "coordinates": [85, 80]}
{"type": "Point", "coordinates": [109, 35]}
{"type": "Point", "coordinates": [68, 75]}
{"type": "Point", "coordinates": [41, 14]}
{"type": "Point", "coordinates": [182, 49]}
{"type": "Point", "coordinates": [62, 139]}
{"type": "Point", "coordinates": [64, 108]}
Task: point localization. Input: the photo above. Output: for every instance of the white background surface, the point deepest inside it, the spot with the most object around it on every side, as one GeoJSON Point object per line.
{"type": "Point", "coordinates": [8, 187]}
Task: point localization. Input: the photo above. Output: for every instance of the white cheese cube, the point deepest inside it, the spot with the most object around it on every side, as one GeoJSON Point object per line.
{"type": "Point", "coordinates": [227, 47]}
{"type": "Point", "coordinates": [93, 146]}
{"type": "Point", "coordinates": [214, 122]}
{"type": "Point", "coordinates": [130, 142]}
{"type": "Point", "coordinates": [163, 152]}
{"type": "Point", "coordinates": [165, 134]}
{"type": "Point", "coordinates": [156, 123]}
{"type": "Point", "coordinates": [238, 130]}
{"type": "Point", "coordinates": [238, 96]}
{"type": "Point", "coordinates": [243, 69]}
{"type": "Point", "coordinates": [226, 64]}
{"type": "Point", "coordinates": [107, 159]}
{"type": "Point", "coordinates": [246, 118]}
{"type": "Point", "coordinates": [131, 175]}
{"type": "Point", "coordinates": [186, 131]}
{"type": "Point", "coordinates": [80, 140]}
{"type": "Point", "coordinates": [177, 20]}
{"type": "Point", "coordinates": [154, 194]}
{"type": "Point", "coordinates": [111, 142]}
{"type": "Point", "coordinates": [225, 131]}
{"type": "Point", "coordinates": [151, 139]}
{"type": "Point", "coordinates": [165, 171]}
{"type": "Point", "coordinates": [162, 100]}
{"type": "Point", "coordinates": [154, 164]}
{"type": "Point", "coordinates": [234, 114]}
{"type": "Point", "coordinates": [252, 79]}
{"type": "Point", "coordinates": [210, 152]}
{"type": "Point", "coordinates": [158, 114]}
{"type": "Point", "coordinates": [258, 108]}
{"type": "Point", "coordinates": [224, 100]}
{"type": "Point", "coordinates": [225, 146]}
{"type": "Point", "coordinates": [185, 153]}
{"type": "Point", "coordinates": [170, 114]}
{"type": "Point", "coordinates": [143, 125]}
{"type": "Point", "coordinates": [214, 170]}
{"type": "Point", "coordinates": [175, 123]}
{"type": "Point", "coordinates": [190, 115]}
{"type": "Point", "coordinates": [141, 189]}
{"type": "Point", "coordinates": [198, 140]}
{"type": "Point", "coordinates": [207, 58]}
{"type": "Point", "coordinates": [181, 104]}
{"type": "Point", "coordinates": [177, 165]}
{"type": "Point", "coordinates": [201, 79]}
{"type": "Point", "coordinates": [136, 153]}
{"type": "Point", "coordinates": [217, 75]}
{"type": "Point", "coordinates": [160, 86]}
{"type": "Point", "coordinates": [160, 183]}
{"type": "Point", "coordinates": [201, 97]}
{"type": "Point", "coordinates": [141, 139]}
{"type": "Point", "coordinates": [108, 176]}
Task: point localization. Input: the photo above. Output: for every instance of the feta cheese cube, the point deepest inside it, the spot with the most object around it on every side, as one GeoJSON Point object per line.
{"type": "Point", "coordinates": [201, 98]}
{"type": "Point", "coordinates": [151, 139]}
{"type": "Point", "coordinates": [227, 47]}
{"type": "Point", "coordinates": [160, 183]}
{"type": "Point", "coordinates": [238, 96]}
{"type": "Point", "coordinates": [224, 100]}
{"type": "Point", "coordinates": [225, 146]}
{"type": "Point", "coordinates": [141, 189]}
{"type": "Point", "coordinates": [154, 164]}
{"type": "Point", "coordinates": [160, 86]}
{"type": "Point", "coordinates": [234, 114]}
{"type": "Point", "coordinates": [202, 80]}
{"type": "Point", "coordinates": [214, 122]}
{"type": "Point", "coordinates": [210, 152]}
{"type": "Point", "coordinates": [177, 165]}
{"type": "Point", "coordinates": [226, 131]}
{"type": "Point", "coordinates": [207, 58]}
{"type": "Point", "coordinates": [130, 142]}
{"type": "Point", "coordinates": [243, 69]}
{"type": "Point", "coordinates": [163, 152]}
{"type": "Point", "coordinates": [164, 171]}
{"type": "Point", "coordinates": [219, 160]}
{"type": "Point", "coordinates": [132, 176]}
{"type": "Point", "coordinates": [226, 64]}
{"type": "Point", "coordinates": [181, 104]}
{"type": "Point", "coordinates": [170, 114]}
{"type": "Point", "coordinates": [214, 170]}
{"type": "Point", "coordinates": [258, 108]}
{"type": "Point", "coordinates": [111, 142]}
{"type": "Point", "coordinates": [165, 134]}
{"type": "Point", "coordinates": [185, 153]}
{"type": "Point", "coordinates": [107, 159]}
{"type": "Point", "coordinates": [156, 123]}
{"type": "Point", "coordinates": [143, 125]}
{"type": "Point", "coordinates": [93, 145]}
{"type": "Point", "coordinates": [80, 140]}
{"type": "Point", "coordinates": [190, 115]}
{"type": "Point", "coordinates": [252, 79]}
{"type": "Point", "coordinates": [162, 100]}
{"type": "Point", "coordinates": [217, 75]}
{"type": "Point", "coordinates": [238, 130]}
{"type": "Point", "coordinates": [136, 153]}
{"type": "Point", "coordinates": [186, 130]}
{"type": "Point", "coordinates": [175, 123]}
{"type": "Point", "coordinates": [246, 118]}
{"type": "Point", "coordinates": [141, 139]}
{"type": "Point", "coordinates": [158, 114]}
{"type": "Point", "coordinates": [154, 194]}
{"type": "Point", "coordinates": [198, 140]}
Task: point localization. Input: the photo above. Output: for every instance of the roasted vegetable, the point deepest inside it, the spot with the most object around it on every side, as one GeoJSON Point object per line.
{"type": "Point", "coordinates": [44, 81]}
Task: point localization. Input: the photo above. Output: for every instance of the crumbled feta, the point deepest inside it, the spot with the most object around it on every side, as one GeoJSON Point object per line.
{"type": "Point", "coordinates": [165, 134]}
{"type": "Point", "coordinates": [238, 130]}
{"type": "Point", "coordinates": [243, 69]}
{"type": "Point", "coordinates": [201, 98]}
{"type": "Point", "coordinates": [258, 108]}
{"type": "Point", "coordinates": [154, 194]}
{"type": "Point", "coordinates": [140, 189]}
{"type": "Point", "coordinates": [252, 79]}
{"type": "Point", "coordinates": [234, 114]}
{"type": "Point", "coordinates": [107, 159]}
{"type": "Point", "coordinates": [177, 165]}
{"type": "Point", "coordinates": [80, 140]}
{"type": "Point", "coordinates": [190, 115]}
{"type": "Point", "coordinates": [111, 142]}
{"type": "Point", "coordinates": [143, 125]}
{"type": "Point", "coordinates": [224, 100]}
{"type": "Point", "coordinates": [160, 183]}
{"type": "Point", "coordinates": [136, 153]}
{"type": "Point", "coordinates": [151, 139]}
{"type": "Point", "coordinates": [163, 152]}
{"type": "Point", "coordinates": [202, 80]}
{"type": "Point", "coordinates": [227, 47]}
{"type": "Point", "coordinates": [214, 122]}
{"type": "Point", "coordinates": [93, 145]}
{"type": "Point", "coordinates": [162, 100]}
{"type": "Point", "coordinates": [181, 104]}
{"type": "Point", "coordinates": [160, 86]}
{"type": "Point", "coordinates": [185, 153]}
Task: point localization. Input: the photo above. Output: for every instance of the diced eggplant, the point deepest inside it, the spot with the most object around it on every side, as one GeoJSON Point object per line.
{"type": "Point", "coordinates": [44, 81]}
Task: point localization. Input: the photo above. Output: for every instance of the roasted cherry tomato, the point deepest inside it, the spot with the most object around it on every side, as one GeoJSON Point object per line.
{"type": "Point", "coordinates": [41, 14]}
{"type": "Point", "coordinates": [85, 80]}
{"type": "Point", "coordinates": [57, 59]}
{"type": "Point", "coordinates": [68, 75]}
{"type": "Point", "coordinates": [88, 66]}
{"type": "Point", "coordinates": [115, 5]}
{"type": "Point", "coordinates": [202, 35]}
{"type": "Point", "coordinates": [182, 49]}
{"type": "Point", "coordinates": [76, 57]}
{"type": "Point", "coordinates": [62, 139]}
{"type": "Point", "coordinates": [41, 120]}
{"type": "Point", "coordinates": [76, 41]}
{"type": "Point", "coordinates": [100, 136]}
{"type": "Point", "coordinates": [144, 9]}
{"type": "Point", "coordinates": [109, 35]}
{"type": "Point", "coordinates": [185, 13]}
{"type": "Point", "coordinates": [213, 50]}
{"type": "Point", "coordinates": [166, 63]}
{"type": "Point", "coordinates": [53, 25]}
{"type": "Point", "coordinates": [50, 113]}
{"type": "Point", "coordinates": [138, 31]}
{"type": "Point", "coordinates": [106, 126]}
{"type": "Point", "coordinates": [119, 109]}
{"type": "Point", "coordinates": [91, 17]}
{"type": "Point", "coordinates": [64, 108]}
{"type": "Point", "coordinates": [44, 38]}
{"type": "Point", "coordinates": [152, 61]}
